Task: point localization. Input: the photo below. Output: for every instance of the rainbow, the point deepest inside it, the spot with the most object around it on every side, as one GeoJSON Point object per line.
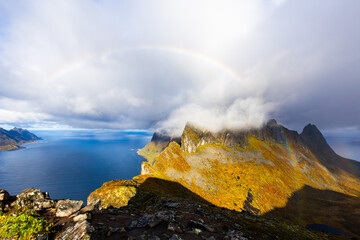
{"type": "Point", "coordinates": [88, 59]}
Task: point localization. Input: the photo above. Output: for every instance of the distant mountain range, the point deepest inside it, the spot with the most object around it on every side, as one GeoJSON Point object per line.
{"type": "Point", "coordinates": [9, 140]}
{"type": "Point", "coordinates": [271, 171]}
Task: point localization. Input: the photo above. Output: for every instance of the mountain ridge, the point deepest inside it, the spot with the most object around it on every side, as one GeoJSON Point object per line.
{"type": "Point", "coordinates": [255, 170]}
{"type": "Point", "coordinates": [9, 140]}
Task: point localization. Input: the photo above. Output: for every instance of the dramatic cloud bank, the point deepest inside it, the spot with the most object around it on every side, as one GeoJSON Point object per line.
{"type": "Point", "coordinates": [159, 64]}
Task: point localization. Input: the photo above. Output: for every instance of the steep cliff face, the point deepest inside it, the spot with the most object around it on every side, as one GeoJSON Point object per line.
{"type": "Point", "coordinates": [326, 155]}
{"type": "Point", "coordinates": [158, 143]}
{"type": "Point", "coordinates": [193, 137]}
{"type": "Point", "coordinates": [254, 170]}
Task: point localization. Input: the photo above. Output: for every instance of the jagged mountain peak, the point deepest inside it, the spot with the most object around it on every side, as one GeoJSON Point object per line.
{"type": "Point", "coordinates": [193, 136]}
{"type": "Point", "coordinates": [16, 136]}
{"type": "Point", "coordinates": [272, 123]}
{"type": "Point", "coordinates": [315, 140]}
{"type": "Point", "coordinates": [311, 129]}
{"type": "Point", "coordinates": [256, 169]}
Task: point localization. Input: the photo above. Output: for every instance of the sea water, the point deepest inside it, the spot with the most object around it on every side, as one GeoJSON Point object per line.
{"type": "Point", "coordinates": [72, 164]}
{"type": "Point", "coordinates": [345, 143]}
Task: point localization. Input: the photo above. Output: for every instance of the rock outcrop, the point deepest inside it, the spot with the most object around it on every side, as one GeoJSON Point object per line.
{"type": "Point", "coordinates": [194, 137]}
{"type": "Point", "coordinates": [81, 230]}
{"type": "Point", "coordinates": [65, 208]}
{"type": "Point", "coordinates": [4, 199]}
{"type": "Point", "coordinates": [65, 217]}
{"type": "Point", "coordinates": [255, 170]}
{"type": "Point", "coordinates": [34, 199]}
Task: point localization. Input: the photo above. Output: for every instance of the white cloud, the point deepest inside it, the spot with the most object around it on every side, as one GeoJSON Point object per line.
{"type": "Point", "coordinates": [141, 64]}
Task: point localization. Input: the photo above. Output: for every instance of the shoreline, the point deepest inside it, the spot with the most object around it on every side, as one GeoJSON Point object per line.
{"type": "Point", "coordinates": [13, 147]}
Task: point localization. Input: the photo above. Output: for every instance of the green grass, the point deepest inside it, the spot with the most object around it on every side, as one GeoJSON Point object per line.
{"type": "Point", "coordinates": [22, 226]}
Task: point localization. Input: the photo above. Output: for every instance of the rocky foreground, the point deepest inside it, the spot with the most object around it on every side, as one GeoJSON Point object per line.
{"type": "Point", "coordinates": [148, 216]}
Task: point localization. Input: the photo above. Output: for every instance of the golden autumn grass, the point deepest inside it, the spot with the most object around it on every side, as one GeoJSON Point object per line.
{"type": "Point", "coordinates": [224, 176]}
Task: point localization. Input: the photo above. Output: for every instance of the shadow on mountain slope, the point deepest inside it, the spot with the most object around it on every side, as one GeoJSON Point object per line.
{"type": "Point", "coordinates": [153, 189]}
{"type": "Point", "coordinates": [327, 156]}
{"type": "Point", "coordinates": [313, 206]}
{"type": "Point", "coordinates": [161, 207]}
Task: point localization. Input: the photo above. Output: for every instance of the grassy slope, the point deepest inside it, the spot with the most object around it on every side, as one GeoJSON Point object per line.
{"type": "Point", "coordinates": [275, 172]}
{"type": "Point", "coordinates": [9, 147]}
{"type": "Point", "coordinates": [263, 175]}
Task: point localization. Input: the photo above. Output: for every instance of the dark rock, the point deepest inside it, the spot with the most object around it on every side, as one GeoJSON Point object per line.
{"type": "Point", "coordinates": [81, 230]}
{"type": "Point", "coordinates": [172, 205]}
{"type": "Point", "coordinates": [175, 227]}
{"type": "Point", "coordinates": [4, 195]}
{"type": "Point", "coordinates": [144, 221]}
{"type": "Point", "coordinates": [200, 211]}
{"type": "Point", "coordinates": [154, 221]}
{"type": "Point", "coordinates": [234, 235]}
{"type": "Point", "coordinates": [153, 237]}
{"type": "Point", "coordinates": [65, 208]}
{"type": "Point", "coordinates": [131, 225]}
{"type": "Point", "coordinates": [166, 215]}
{"type": "Point", "coordinates": [43, 237]}
{"type": "Point", "coordinates": [4, 198]}
{"type": "Point", "coordinates": [114, 229]}
{"type": "Point", "coordinates": [175, 237]}
{"type": "Point", "coordinates": [199, 225]}
{"type": "Point", "coordinates": [148, 220]}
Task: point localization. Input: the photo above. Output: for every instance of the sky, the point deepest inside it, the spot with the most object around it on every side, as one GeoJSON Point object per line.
{"type": "Point", "coordinates": [141, 64]}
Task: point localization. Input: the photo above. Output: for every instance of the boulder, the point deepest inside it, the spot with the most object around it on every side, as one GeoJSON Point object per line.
{"type": "Point", "coordinates": [65, 208]}
{"type": "Point", "coordinates": [82, 217]}
{"type": "Point", "coordinates": [34, 199]}
{"type": "Point", "coordinates": [4, 195]}
{"type": "Point", "coordinates": [175, 237]}
{"type": "Point", "coordinates": [43, 237]}
{"type": "Point", "coordinates": [200, 225]}
{"type": "Point", "coordinates": [81, 230]}
{"type": "Point", "coordinates": [172, 205]}
{"type": "Point", "coordinates": [87, 208]}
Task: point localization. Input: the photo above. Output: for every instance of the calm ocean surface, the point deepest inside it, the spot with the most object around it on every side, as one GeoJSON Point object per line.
{"type": "Point", "coordinates": [72, 164]}
{"type": "Point", "coordinates": [345, 143]}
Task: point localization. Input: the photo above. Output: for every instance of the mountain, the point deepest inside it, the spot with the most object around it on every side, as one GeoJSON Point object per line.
{"type": "Point", "coordinates": [10, 139]}
{"type": "Point", "coordinates": [260, 170]}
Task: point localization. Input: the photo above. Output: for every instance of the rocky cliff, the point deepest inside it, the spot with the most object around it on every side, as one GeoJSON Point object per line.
{"type": "Point", "coordinates": [256, 171]}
